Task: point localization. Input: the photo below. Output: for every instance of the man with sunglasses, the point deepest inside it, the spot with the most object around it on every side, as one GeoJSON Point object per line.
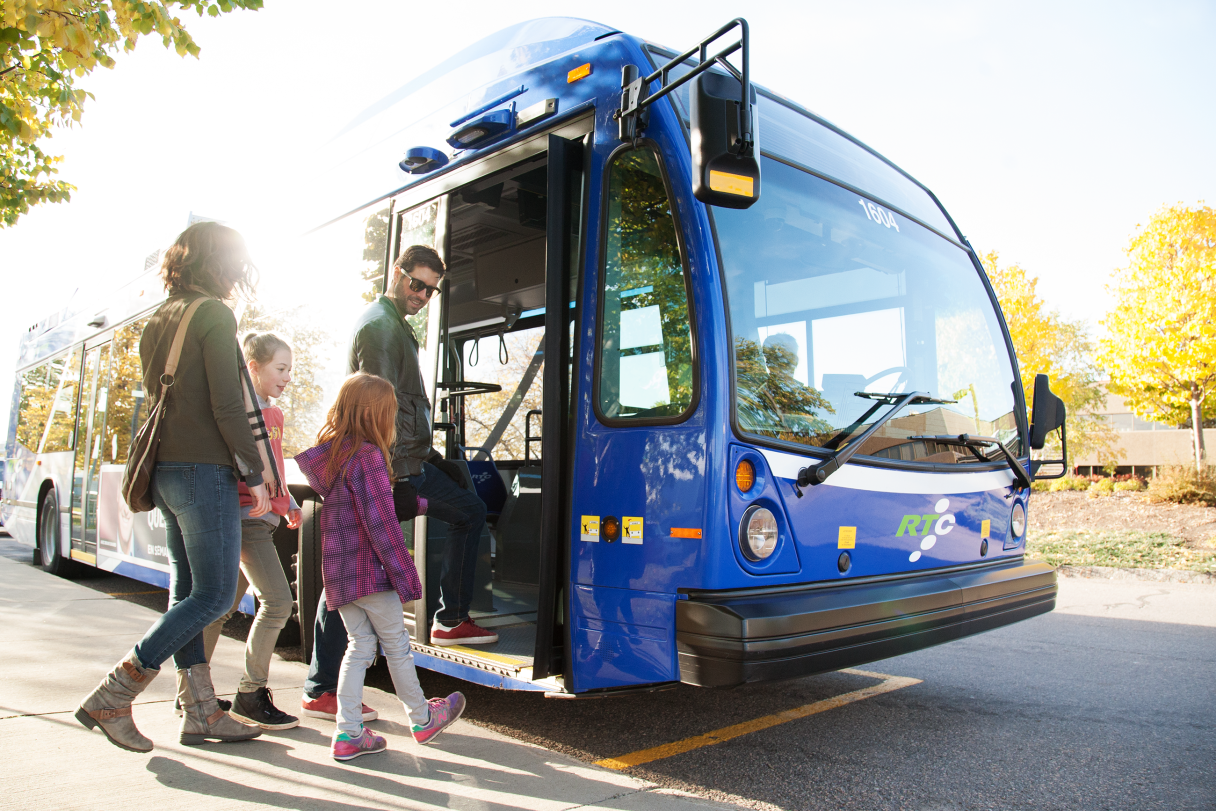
{"type": "Point", "coordinates": [385, 345]}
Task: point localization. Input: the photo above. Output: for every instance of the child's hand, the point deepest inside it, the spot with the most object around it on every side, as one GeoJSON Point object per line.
{"type": "Point", "coordinates": [293, 519]}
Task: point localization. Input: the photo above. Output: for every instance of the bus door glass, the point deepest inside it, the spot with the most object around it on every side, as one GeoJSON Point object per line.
{"type": "Point", "coordinates": [424, 224]}
{"type": "Point", "coordinates": [122, 413]}
{"type": "Point", "coordinates": [89, 423]}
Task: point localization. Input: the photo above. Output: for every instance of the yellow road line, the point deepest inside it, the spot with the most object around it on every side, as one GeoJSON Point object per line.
{"type": "Point", "coordinates": [667, 750]}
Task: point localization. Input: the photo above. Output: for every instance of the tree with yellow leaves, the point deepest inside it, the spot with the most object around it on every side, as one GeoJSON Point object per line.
{"type": "Point", "coordinates": [1161, 344]}
{"type": "Point", "coordinates": [45, 46]}
{"type": "Point", "coordinates": [1047, 343]}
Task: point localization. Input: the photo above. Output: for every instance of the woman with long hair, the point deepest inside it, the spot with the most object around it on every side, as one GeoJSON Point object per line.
{"type": "Point", "coordinates": [207, 446]}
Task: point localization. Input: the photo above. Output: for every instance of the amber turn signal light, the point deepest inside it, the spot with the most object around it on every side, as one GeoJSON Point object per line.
{"type": "Point", "coordinates": [745, 475]}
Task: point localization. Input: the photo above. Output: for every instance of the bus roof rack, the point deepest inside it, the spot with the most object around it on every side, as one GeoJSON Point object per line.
{"type": "Point", "coordinates": [635, 89]}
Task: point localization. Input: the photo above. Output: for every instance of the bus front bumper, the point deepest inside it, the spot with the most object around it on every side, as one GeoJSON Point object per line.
{"type": "Point", "coordinates": [734, 637]}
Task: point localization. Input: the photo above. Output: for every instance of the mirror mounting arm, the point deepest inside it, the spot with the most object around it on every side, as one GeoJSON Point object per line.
{"type": "Point", "coordinates": [635, 89]}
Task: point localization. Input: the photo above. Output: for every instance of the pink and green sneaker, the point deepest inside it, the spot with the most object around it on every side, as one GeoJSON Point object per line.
{"type": "Point", "coordinates": [347, 748]}
{"type": "Point", "coordinates": [444, 712]}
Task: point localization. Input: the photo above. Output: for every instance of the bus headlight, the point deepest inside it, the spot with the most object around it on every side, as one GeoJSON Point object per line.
{"type": "Point", "coordinates": [1017, 520]}
{"type": "Point", "coordinates": [758, 533]}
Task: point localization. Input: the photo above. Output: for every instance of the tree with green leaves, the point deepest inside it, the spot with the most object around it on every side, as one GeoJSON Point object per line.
{"type": "Point", "coordinates": [1161, 344]}
{"type": "Point", "coordinates": [771, 400]}
{"type": "Point", "coordinates": [45, 47]}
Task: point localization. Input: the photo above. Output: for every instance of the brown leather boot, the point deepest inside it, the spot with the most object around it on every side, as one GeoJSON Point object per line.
{"type": "Point", "coordinates": [109, 705]}
{"type": "Point", "coordinates": [202, 719]}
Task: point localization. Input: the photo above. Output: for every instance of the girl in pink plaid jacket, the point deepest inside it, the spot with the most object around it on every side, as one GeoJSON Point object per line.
{"type": "Point", "coordinates": [366, 568]}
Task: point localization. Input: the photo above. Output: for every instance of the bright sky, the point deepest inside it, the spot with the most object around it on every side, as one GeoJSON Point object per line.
{"type": "Point", "coordinates": [1049, 130]}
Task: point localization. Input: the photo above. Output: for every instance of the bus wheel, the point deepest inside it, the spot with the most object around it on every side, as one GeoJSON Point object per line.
{"type": "Point", "coordinates": [48, 540]}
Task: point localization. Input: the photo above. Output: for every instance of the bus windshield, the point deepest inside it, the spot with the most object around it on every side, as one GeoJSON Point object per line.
{"type": "Point", "coordinates": [834, 297]}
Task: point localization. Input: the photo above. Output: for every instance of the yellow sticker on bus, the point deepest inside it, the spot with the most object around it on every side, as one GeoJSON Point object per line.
{"type": "Point", "coordinates": [633, 529]}
{"type": "Point", "coordinates": [730, 184]}
{"type": "Point", "coordinates": [846, 538]}
{"type": "Point", "coordinates": [590, 528]}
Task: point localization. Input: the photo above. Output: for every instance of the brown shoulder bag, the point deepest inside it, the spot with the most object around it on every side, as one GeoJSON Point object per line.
{"type": "Point", "coordinates": [141, 459]}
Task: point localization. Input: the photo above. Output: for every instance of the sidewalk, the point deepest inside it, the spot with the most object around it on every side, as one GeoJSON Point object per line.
{"type": "Point", "coordinates": [59, 638]}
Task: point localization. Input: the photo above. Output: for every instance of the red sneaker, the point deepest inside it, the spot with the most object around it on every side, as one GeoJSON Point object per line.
{"type": "Point", "coordinates": [466, 633]}
{"type": "Point", "coordinates": [326, 706]}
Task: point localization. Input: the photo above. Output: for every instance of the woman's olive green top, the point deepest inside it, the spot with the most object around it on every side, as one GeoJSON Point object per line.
{"type": "Point", "coordinates": [205, 422]}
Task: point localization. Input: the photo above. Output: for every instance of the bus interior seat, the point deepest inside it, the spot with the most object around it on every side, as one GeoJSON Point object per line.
{"type": "Point", "coordinates": [487, 483]}
{"type": "Point", "coordinates": [518, 528]}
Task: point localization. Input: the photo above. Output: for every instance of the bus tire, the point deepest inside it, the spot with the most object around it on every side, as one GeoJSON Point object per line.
{"type": "Point", "coordinates": [49, 539]}
{"type": "Point", "coordinates": [307, 571]}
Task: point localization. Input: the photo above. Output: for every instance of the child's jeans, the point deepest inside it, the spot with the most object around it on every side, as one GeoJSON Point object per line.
{"type": "Point", "coordinates": [371, 619]}
{"type": "Point", "coordinates": [260, 566]}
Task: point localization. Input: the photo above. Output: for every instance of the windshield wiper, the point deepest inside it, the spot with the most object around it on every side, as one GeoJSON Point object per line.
{"type": "Point", "coordinates": [975, 443]}
{"type": "Point", "coordinates": [816, 474]}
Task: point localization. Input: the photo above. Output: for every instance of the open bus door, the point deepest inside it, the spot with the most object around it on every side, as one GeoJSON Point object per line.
{"type": "Point", "coordinates": [510, 239]}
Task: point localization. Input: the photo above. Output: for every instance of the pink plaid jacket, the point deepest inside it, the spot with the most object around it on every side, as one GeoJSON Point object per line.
{"type": "Point", "coordinates": [363, 550]}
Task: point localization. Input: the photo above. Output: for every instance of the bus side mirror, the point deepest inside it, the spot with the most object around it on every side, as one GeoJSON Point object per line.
{"type": "Point", "coordinates": [1048, 412]}
{"type": "Point", "coordinates": [725, 152]}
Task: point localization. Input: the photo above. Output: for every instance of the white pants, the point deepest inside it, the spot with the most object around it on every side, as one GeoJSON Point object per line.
{"type": "Point", "coordinates": [376, 617]}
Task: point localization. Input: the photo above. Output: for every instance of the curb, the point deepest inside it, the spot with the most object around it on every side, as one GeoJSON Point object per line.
{"type": "Point", "coordinates": [1142, 575]}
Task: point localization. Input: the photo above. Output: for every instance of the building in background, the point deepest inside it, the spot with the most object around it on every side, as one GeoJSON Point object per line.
{"type": "Point", "coordinates": [1145, 445]}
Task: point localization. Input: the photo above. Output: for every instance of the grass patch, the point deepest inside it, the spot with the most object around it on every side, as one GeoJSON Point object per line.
{"type": "Point", "coordinates": [1127, 549]}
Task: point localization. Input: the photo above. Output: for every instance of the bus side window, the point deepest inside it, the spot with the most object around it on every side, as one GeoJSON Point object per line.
{"type": "Point", "coordinates": [125, 399]}
{"type": "Point", "coordinates": [37, 393]}
{"type": "Point", "coordinates": [646, 354]}
{"type": "Point", "coordinates": [65, 379]}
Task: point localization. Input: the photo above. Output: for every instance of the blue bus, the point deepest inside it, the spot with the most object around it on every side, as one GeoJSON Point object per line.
{"type": "Point", "coordinates": [735, 389]}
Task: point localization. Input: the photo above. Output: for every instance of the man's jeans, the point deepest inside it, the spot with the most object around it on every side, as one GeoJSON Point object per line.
{"type": "Point", "coordinates": [203, 535]}
{"type": "Point", "coordinates": [464, 514]}
{"type": "Point", "coordinates": [328, 646]}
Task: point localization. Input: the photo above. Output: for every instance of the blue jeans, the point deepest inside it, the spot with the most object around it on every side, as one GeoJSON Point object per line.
{"type": "Point", "coordinates": [203, 535]}
{"type": "Point", "coordinates": [465, 514]}
{"type": "Point", "coordinates": [328, 647]}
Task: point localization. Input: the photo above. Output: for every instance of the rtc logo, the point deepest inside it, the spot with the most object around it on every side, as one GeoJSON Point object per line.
{"type": "Point", "coordinates": [940, 522]}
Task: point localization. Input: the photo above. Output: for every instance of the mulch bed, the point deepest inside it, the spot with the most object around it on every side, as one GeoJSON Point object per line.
{"type": "Point", "coordinates": [1123, 511]}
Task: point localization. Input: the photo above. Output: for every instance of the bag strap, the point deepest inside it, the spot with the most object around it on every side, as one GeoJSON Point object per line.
{"type": "Point", "coordinates": [175, 349]}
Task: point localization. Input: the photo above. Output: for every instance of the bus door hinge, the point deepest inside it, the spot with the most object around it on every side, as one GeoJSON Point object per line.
{"type": "Point", "coordinates": [631, 118]}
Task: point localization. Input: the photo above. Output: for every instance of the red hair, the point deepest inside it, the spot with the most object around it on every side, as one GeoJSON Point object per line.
{"type": "Point", "coordinates": [365, 411]}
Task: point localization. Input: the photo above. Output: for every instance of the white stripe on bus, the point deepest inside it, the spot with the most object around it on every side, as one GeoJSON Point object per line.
{"type": "Point", "coordinates": [886, 480]}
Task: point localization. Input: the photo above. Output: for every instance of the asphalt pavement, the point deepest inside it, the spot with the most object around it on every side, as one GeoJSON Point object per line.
{"type": "Point", "coordinates": [1106, 703]}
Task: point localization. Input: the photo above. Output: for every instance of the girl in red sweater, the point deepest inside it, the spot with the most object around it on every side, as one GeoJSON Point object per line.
{"type": "Point", "coordinates": [268, 357]}
{"type": "Point", "coordinates": [366, 567]}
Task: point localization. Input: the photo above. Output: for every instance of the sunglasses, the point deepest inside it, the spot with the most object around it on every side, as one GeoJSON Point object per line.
{"type": "Point", "coordinates": [418, 286]}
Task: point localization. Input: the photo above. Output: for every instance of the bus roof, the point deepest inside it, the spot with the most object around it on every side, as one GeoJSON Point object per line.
{"type": "Point", "coordinates": [361, 160]}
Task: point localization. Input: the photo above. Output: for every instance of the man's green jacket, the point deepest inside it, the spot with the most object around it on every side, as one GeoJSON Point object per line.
{"type": "Point", "coordinates": [384, 345]}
